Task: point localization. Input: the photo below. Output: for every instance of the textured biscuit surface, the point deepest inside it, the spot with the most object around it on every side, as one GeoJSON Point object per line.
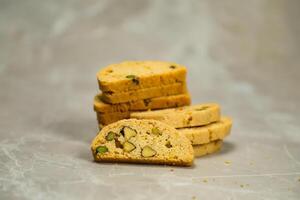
{"type": "Point", "coordinates": [108, 118]}
{"type": "Point", "coordinates": [142, 141]}
{"type": "Point", "coordinates": [145, 93]}
{"type": "Point", "coordinates": [132, 75]}
{"type": "Point", "coordinates": [208, 133]}
{"type": "Point", "coordinates": [145, 104]}
{"type": "Point", "coordinates": [204, 149]}
{"type": "Point", "coordinates": [187, 116]}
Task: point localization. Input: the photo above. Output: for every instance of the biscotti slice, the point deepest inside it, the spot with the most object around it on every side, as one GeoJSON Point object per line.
{"type": "Point", "coordinates": [145, 104]}
{"type": "Point", "coordinates": [142, 141]}
{"type": "Point", "coordinates": [204, 149]}
{"type": "Point", "coordinates": [211, 132]}
{"type": "Point", "coordinates": [108, 118]}
{"type": "Point", "coordinates": [133, 75]}
{"type": "Point", "coordinates": [187, 116]}
{"type": "Point", "coordinates": [146, 93]}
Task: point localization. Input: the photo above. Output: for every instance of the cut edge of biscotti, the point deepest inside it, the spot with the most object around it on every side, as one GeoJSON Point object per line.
{"type": "Point", "coordinates": [186, 116]}
{"type": "Point", "coordinates": [108, 118]}
{"type": "Point", "coordinates": [170, 101]}
{"type": "Point", "coordinates": [142, 141]}
{"type": "Point", "coordinates": [132, 75]}
{"type": "Point", "coordinates": [208, 148]}
{"type": "Point", "coordinates": [208, 133]}
{"type": "Point", "coordinates": [145, 93]}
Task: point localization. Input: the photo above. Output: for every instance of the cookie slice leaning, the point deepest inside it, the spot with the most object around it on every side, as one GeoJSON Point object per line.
{"type": "Point", "coordinates": [109, 113]}
{"type": "Point", "coordinates": [144, 104]}
{"type": "Point", "coordinates": [208, 133]}
{"type": "Point", "coordinates": [142, 141]}
{"type": "Point", "coordinates": [187, 116]}
{"type": "Point", "coordinates": [144, 93]}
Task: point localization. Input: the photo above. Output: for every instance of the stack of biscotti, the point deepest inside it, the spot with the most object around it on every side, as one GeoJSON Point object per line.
{"type": "Point", "coordinates": [202, 124]}
{"type": "Point", "coordinates": [139, 86]}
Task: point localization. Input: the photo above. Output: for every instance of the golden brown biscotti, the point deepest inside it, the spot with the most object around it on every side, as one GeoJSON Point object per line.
{"type": "Point", "coordinates": [211, 132]}
{"type": "Point", "coordinates": [108, 118]}
{"type": "Point", "coordinates": [187, 116]}
{"type": "Point", "coordinates": [133, 75]}
{"type": "Point", "coordinates": [146, 93]}
{"type": "Point", "coordinates": [142, 141]}
{"type": "Point", "coordinates": [145, 104]}
{"type": "Point", "coordinates": [204, 149]}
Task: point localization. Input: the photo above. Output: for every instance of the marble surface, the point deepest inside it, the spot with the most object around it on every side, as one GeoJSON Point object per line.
{"type": "Point", "coordinates": [243, 55]}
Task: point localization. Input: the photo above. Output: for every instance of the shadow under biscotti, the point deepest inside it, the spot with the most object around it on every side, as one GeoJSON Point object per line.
{"type": "Point", "coordinates": [227, 147]}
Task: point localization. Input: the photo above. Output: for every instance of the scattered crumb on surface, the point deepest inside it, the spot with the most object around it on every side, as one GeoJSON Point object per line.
{"type": "Point", "coordinates": [204, 180]}
{"type": "Point", "coordinates": [299, 179]}
{"type": "Point", "coordinates": [251, 163]}
{"type": "Point", "coordinates": [193, 197]}
{"type": "Point", "coordinates": [241, 185]}
{"type": "Point", "coordinates": [227, 162]}
{"type": "Point", "coordinates": [172, 170]}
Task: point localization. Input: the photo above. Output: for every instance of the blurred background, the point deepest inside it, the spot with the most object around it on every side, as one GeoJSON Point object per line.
{"type": "Point", "coordinates": [244, 55]}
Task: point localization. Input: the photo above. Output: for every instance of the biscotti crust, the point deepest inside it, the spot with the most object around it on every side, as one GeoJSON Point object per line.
{"type": "Point", "coordinates": [208, 133]}
{"type": "Point", "coordinates": [209, 148]}
{"type": "Point", "coordinates": [134, 95]}
{"type": "Point", "coordinates": [179, 153]}
{"type": "Point", "coordinates": [187, 116]}
{"type": "Point", "coordinates": [133, 75]}
{"type": "Point", "coordinates": [145, 104]}
{"type": "Point", "coordinates": [108, 118]}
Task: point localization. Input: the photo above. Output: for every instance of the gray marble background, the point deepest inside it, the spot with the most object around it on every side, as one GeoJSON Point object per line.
{"type": "Point", "coordinates": [241, 54]}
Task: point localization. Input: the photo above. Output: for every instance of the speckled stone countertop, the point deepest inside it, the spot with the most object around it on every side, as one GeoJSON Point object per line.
{"type": "Point", "coordinates": [243, 55]}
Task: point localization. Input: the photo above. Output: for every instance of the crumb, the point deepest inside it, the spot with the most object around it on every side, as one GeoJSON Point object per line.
{"type": "Point", "coordinates": [299, 179]}
{"type": "Point", "coordinates": [247, 185]}
{"type": "Point", "coordinates": [241, 185]}
{"type": "Point", "coordinates": [172, 170]}
{"type": "Point", "coordinates": [251, 163]}
{"type": "Point", "coordinates": [227, 162]}
{"type": "Point", "coordinates": [204, 181]}
{"type": "Point", "coordinates": [194, 197]}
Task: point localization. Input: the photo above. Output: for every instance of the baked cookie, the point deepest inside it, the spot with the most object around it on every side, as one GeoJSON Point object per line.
{"type": "Point", "coordinates": [145, 104]}
{"type": "Point", "coordinates": [133, 75]}
{"type": "Point", "coordinates": [204, 149]}
{"type": "Point", "coordinates": [211, 132]}
{"type": "Point", "coordinates": [145, 93]}
{"type": "Point", "coordinates": [142, 141]}
{"type": "Point", "coordinates": [108, 118]}
{"type": "Point", "coordinates": [187, 116]}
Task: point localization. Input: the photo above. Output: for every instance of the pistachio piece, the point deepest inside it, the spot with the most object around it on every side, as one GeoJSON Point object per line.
{"type": "Point", "coordinates": [202, 108]}
{"type": "Point", "coordinates": [168, 144]}
{"type": "Point", "coordinates": [155, 131]}
{"type": "Point", "coordinates": [128, 132]}
{"type": "Point", "coordinates": [134, 79]}
{"type": "Point", "coordinates": [110, 136]}
{"type": "Point", "coordinates": [118, 144]}
{"type": "Point", "coordinates": [101, 149]}
{"type": "Point", "coordinates": [147, 101]}
{"type": "Point", "coordinates": [128, 146]}
{"type": "Point", "coordinates": [148, 152]}
{"type": "Point", "coordinates": [108, 92]}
